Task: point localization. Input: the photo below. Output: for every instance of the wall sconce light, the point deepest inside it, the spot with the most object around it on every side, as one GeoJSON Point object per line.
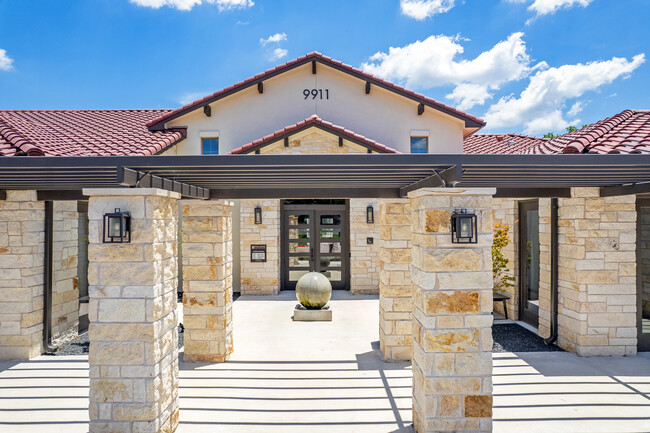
{"type": "Point", "coordinates": [463, 227]}
{"type": "Point", "coordinates": [370, 214]}
{"type": "Point", "coordinates": [117, 227]}
{"type": "Point", "coordinates": [258, 215]}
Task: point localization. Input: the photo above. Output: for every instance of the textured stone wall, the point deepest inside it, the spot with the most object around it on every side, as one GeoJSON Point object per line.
{"type": "Point", "coordinates": [133, 321]}
{"type": "Point", "coordinates": [395, 291]}
{"type": "Point", "coordinates": [597, 273]}
{"type": "Point", "coordinates": [207, 280]}
{"type": "Point", "coordinates": [260, 278]}
{"type": "Point", "coordinates": [544, 325]}
{"type": "Point", "coordinates": [22, 244]}
{"type": "Point", "coordinates": [364, 260]}
{"type": "Point", "coordinates": [452, 306]}
{"type": "Point", "coordinates": [65, 290]}
{"type": "Point", "coordinates": [312, 143]}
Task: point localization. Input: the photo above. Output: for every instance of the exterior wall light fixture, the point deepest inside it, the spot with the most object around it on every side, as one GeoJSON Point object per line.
{"type": "Point", "coordinates": [117, 227]}
{"type": "Point", "coordinates": [463, 227]}
{"type": "Point", "coordinates": [258, 215]}
{"type": "Point", "coordinates": [370, 214]}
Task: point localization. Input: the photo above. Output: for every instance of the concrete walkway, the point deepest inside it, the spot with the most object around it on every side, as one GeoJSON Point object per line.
{"type": "Point", "coordinates": [286, 376]}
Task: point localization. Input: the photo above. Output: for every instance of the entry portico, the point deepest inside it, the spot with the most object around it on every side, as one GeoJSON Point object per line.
{"type": "Point", "coordinates": [452, 383]}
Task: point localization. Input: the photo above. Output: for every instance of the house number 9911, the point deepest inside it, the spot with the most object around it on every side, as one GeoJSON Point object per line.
{"type": "Point", "coordinates": [316, 93]}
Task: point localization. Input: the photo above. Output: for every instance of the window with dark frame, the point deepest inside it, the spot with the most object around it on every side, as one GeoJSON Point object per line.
{"type": "Point", "coordinates": [419, 144]}
{"type": "Point", "coordinates": [210, 145]}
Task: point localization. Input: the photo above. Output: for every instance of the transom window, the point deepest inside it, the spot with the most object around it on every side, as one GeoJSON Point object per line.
{"type": "Point", "coordinates": [210, 145]}
{"type": "Point", "coordinates": [419, 144]}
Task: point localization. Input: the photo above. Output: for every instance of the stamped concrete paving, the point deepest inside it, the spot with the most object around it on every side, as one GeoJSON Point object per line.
{"type": "Point", "coordinates": [320, 377]}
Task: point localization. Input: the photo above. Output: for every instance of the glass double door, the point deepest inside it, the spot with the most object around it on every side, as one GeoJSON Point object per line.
{"type": "Point", "coordinates": [315, 239]}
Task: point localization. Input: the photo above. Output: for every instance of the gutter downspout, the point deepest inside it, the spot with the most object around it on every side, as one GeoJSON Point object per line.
{"type": "Point", "coordinates": [554, 273]}
{"type": "Point", "coordinates": [47, 278]}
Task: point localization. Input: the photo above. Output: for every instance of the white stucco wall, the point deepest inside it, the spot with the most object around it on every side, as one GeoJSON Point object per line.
{"type": "Point", "coordinates": [382, 115]}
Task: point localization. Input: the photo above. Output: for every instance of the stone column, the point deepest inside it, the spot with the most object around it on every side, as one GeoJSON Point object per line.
{"type": "Point", "coordinates": [395, 292]}
{"type": "Point", "coordinates": [452, 300]}
{"type": "Point", "coordinates": [133, 323]}
{"type": "Point", "coordinates": [22, 244]}
{"type": "Point", "coordinates": [207, 280]}
{"type": "Point", "coordinates": [597, 274]}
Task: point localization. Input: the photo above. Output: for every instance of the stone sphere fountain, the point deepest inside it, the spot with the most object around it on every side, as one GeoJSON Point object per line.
{"type": "Point", "coordinates": [313, 291]}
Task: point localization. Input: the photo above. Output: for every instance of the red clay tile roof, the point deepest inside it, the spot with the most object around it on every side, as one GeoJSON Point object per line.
{"type": "Point", "coordinates": [500, 143]}
{"type": "Point", "coordinates": [83, 133]}
{"type": "Point", "coordinates": [314, 121]}
{"type": "Point", "coordinates": [626, 132]}
{"type": "Point", "coordinates": [470, 121]}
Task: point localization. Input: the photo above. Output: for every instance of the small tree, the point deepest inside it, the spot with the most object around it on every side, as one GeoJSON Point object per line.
{"type": "Point", "coordinates": [500, 239]}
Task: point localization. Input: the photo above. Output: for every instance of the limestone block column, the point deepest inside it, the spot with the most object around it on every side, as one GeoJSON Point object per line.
{"type": "Point", "coordinates": [22, 245]}
{"type": "Point", "coordinates": [207, 280]}
{"type": "Point", "coordinates": [133, 321]}
{"type": "Point", "coordinates": [395, 292]}
{"type": "Point", "coordinates": [452, 305]}
{"type": "Point", "coordinates": [597, 273]}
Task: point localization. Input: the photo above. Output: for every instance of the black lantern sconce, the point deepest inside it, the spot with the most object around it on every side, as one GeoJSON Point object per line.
{"type": "Point", "coordinates": [463, 227]}
{"type": "Point", "coordinates": [370, 214]}
{"type": "Point", "coordinates": [258, 215]}
{"type": "Point", "coordinates": [117, 227]}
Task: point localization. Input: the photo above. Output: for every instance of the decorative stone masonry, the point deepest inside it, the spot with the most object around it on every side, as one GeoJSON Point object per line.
{"type": "Point", "coordinates": [597, 274]}
{"type": "Point", "coordinates": [207, 280]}
{"type": "Point", "coordinates": [65, 290]}
{"type": "Point", "coordinates": [21, 275]}
{"type": "Point", "coordinates": [133, 321]}
{"type": "Point", "coordinates": [364, 260]}
{"type": "Point", "coordinates": [395, 291]}
{"type": "Point", "coordinates": [260, 278]}
{"type": "Point", "coordinates": [452, 300]}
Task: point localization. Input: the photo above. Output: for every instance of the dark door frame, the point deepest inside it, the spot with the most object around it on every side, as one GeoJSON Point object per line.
{"type": "Point", "coordinates": [317, 210]}
{"type": "Point", "coordinates": [643, 340]}
{"type": "Point", "coordinates": [525, 315]}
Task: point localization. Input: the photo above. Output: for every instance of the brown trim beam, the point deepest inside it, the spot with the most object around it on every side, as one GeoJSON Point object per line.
{"type": "Point", "coordinates": [313, 67]}
{"type": "Point", "coordinates": [420, 109]}
{"type": "Point", "coordinates": [60, 195]}
{"type": "Point", "coordinates": [207, 110]}
{"type": "Point", "coordinates": [260, 87]}
{"type": "Point", "coordinates": [367, 87]}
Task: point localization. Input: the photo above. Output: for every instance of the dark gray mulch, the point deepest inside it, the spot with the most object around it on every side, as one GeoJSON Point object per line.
{"type": "Point", "coordinates": [80, 345]}
{"type": "Point", "coordinates": [515, 338]}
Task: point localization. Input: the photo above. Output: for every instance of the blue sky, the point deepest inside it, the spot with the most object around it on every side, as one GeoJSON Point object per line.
{"type": "Point", "coordinates": [524, 65]}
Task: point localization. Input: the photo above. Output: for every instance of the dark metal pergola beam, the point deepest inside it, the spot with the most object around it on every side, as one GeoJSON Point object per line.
{"type": "Point", "coordinates": [533, 193]}
{"type": "Point", "coordinates": [330, 175]}
{"type": "Point", "coordinates": [448, 177]}
{"type": "Point", "coordinates": [138, 179]}
{"type": "Point", "coordinates": [635, 188]}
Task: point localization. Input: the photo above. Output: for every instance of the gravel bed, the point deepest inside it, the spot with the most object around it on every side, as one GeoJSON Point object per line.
{"type": "Point", "coordinates": [515, 338]}
{"type": "Point", "coordinates": [79, 346]}
{"type": "Point", "coordinates": [507, 338]}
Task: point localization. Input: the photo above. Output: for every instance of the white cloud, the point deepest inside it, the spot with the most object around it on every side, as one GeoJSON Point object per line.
{"type": "Point", "coordinates": [278, 53]}
{"type": "Point", "coordinates": [539, 106]}
{"type": "Point", "coordinates": [186, 5]}
{"type": "Point", "coordinates": [433, 62]}
{"type": "Point", "coordinates": [188, 97]}
{"type": "Point", "coordinates": [575, 109]}
{"type": "Point", "coordinates": [276, 38]}
{"type": "Point", "coordinates": [6, 62]}
{"type": "Point", "coordinates": [422, 9]}
{"type": "Point", "coordinates": [545, 7]}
